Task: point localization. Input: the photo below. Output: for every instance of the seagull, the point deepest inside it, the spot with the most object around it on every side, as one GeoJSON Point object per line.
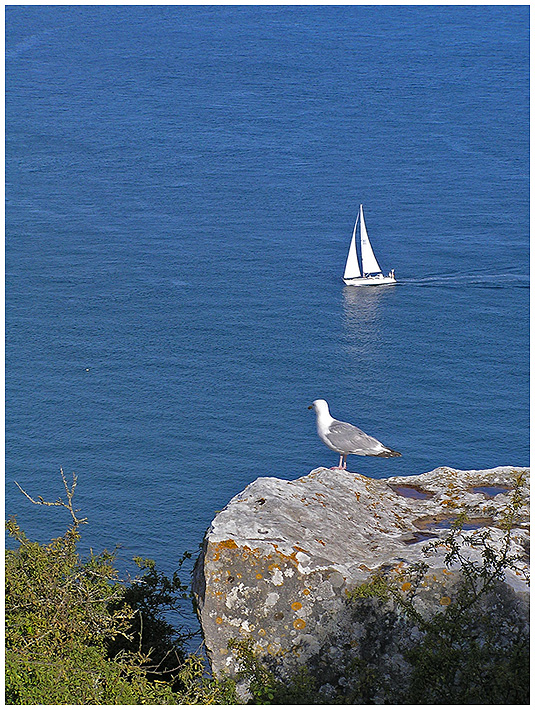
{"type": "Point", "coordinates": [345, 438]}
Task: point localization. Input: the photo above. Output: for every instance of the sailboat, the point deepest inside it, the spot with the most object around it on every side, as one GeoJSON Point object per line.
{"type": "Point", "coordinates": [370, 274]}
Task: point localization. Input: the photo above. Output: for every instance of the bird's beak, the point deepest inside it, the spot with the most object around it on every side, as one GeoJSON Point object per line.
{"type": "Point", "coordinates": [311, 406]}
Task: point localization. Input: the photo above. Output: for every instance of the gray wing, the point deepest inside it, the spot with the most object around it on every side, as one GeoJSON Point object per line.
{"type": "Point", "coordinates": [352, 440]}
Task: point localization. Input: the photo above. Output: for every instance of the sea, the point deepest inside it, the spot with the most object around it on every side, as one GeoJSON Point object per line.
{"type": "Point", "coordinates": [181, 188]}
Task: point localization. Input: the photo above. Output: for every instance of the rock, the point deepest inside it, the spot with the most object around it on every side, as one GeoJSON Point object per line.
{"type": "Point", "coordinates": [279, 561]}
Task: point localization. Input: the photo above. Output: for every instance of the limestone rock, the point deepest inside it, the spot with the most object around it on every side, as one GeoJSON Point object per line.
{"type": "Point", "coordinates": [278, 561]}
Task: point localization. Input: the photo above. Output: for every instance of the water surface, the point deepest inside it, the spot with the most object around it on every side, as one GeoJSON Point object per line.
{"type": "Point", "coordinates": [182, 184]}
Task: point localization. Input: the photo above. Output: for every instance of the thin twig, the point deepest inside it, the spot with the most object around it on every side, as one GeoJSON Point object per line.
{"type": "Point", "coordinates": [59, 502]}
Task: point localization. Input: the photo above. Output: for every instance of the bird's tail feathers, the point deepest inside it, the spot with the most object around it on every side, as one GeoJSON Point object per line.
{"type": "Point", "coordinates": [388, 453]}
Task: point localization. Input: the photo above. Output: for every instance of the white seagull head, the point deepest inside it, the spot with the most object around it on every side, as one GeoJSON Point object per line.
{"type": "Point", "coordinates": [320, 405]}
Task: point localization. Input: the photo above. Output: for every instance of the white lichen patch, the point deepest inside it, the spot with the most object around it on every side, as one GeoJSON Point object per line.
{"type": "Point", "coordinates": [235, 622]}
{"type": "Point", "coordinates": [271, 599]}
{"type": "Point", "coordinates": [277, 579]}
{"type": "Point", "coordinates": [234, 597]}
{"type": "Point", "coordinates": [304, 562]}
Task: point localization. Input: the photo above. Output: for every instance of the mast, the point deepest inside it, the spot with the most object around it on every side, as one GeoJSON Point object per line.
{"type": "Point", "coordinates": [369, 262]}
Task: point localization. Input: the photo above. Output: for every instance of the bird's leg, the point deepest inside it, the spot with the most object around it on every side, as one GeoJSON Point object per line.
{"type": "Point", "coordinates": [344, 464]}
{"type": "Point", "coordinates": [337, 468]}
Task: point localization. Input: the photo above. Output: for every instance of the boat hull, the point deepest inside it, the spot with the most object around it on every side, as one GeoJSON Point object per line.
{"type": "Point", "coordinates": [378, 280]}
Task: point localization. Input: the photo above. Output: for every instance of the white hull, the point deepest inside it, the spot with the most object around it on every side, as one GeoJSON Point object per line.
{"type": "Point", "coordinates": [378, 280]}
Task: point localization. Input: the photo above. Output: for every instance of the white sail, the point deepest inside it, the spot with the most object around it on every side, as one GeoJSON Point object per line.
{"type": "Point", "coordinates": [369, 262]}
{"type": "Point", "coordinates": [352, 270]}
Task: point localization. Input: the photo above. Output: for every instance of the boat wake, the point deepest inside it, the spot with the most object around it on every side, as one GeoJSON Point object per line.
{"type": "Point", "coordinates": [477, 280]}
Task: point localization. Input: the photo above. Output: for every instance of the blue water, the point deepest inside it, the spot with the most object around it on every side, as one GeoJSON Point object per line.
{"type": "Point", "coordinates": [182, 184]}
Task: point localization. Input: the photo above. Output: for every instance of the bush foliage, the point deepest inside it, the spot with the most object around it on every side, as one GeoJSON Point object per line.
{"type": "Point", "coordinates": [77, 634]}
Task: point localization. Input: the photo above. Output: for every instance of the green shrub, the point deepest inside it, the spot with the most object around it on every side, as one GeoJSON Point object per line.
{"type": "Point", "coordinates": [76, 634]}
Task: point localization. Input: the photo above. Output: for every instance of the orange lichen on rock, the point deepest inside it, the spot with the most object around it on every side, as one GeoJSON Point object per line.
{"type": "Point", "coordinates": [299, 624]}
{"type": "Point", "coordinates": [292, 557]}
{"type": "Point", "coordinates": [300, 549]}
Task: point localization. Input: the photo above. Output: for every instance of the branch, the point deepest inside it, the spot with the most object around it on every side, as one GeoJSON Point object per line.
{"type": "Point", "coordinates": [69, 505]}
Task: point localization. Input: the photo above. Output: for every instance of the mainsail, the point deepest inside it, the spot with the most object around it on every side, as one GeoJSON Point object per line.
{"type": "Point", "coordinates": [352, 270]}
{"type": "Point", "coordinates": [369, 262]}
